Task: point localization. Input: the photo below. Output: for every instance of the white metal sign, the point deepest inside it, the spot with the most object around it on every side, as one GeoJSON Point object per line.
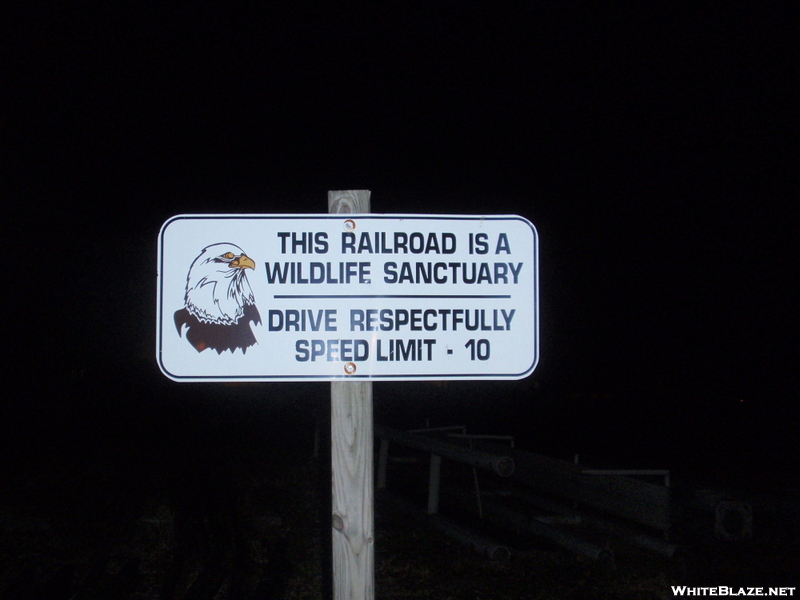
{"type": "Point", "coordinates": [330, 297]}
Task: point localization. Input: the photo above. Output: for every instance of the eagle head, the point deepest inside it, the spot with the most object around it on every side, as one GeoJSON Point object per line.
{"type": "Point", "coordinates": [217, 290]}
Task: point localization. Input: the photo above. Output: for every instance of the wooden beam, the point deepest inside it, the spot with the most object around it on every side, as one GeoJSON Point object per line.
{"type": "Point", "coordinates": [638, 501]}
{"type": "Point", "coordinates": [351, 463]}
{"type": "Point", "coordinates": [500, 464]}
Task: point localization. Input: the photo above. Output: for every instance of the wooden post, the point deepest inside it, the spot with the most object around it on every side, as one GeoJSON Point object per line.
{"type": "Point", "coordinates": [351, 463]}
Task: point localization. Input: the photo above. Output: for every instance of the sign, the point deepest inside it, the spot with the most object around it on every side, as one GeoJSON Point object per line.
{"type": "Point", "coordinates": [355, 296]}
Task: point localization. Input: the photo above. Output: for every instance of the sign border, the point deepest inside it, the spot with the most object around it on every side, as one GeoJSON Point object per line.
{"type": "Point", "coordinates": [369, 377]}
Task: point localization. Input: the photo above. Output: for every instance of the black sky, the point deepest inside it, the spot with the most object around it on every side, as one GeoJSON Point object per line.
{"type": "Point", "coordinates": [654, 147]}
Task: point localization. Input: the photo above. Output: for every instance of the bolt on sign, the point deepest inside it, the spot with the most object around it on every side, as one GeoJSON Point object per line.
{"type": "Point", "coordinates": [358, 296]}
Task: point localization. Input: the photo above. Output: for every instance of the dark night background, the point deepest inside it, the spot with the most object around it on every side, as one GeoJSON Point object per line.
{"type": "Point", "coordinates": [654, 146]}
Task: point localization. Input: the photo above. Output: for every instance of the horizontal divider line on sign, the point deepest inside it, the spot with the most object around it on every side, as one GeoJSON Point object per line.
{"type": "Point", "coordinates": [428, 296]}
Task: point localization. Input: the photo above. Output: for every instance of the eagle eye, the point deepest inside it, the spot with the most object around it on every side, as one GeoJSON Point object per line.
{"type": "Point", "coordinates": [229, 256]}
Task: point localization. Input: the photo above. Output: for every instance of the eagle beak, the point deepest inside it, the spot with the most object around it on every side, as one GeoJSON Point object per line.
{"type": "Point", "coordinates": [244, 262]}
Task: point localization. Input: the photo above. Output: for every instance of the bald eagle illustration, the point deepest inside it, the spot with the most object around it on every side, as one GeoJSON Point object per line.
{"type": "Point", "coordinates": [219, 304]}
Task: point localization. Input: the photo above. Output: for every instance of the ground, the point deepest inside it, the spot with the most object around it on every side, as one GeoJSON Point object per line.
{"type": "Point", "coordinates": [75, 526]}
{"type": "Point", "coordinates": [224, 496]}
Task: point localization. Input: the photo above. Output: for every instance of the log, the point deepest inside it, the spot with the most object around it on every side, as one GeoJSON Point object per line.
{"type": "Point", "coordinates": [637, 501]}
{"type": "Point", "coordinates": [637, 538]}
{"type": "Point", "coordinates": [499, 464]}
{"type": "Point", "coordinates": [479, 543]}
{"type": "Point", "coordinates": [530, 525]}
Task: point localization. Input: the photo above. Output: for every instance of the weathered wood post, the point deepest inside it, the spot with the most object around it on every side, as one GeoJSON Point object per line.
{"type": "Point", "coordinates": [351, 463]}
